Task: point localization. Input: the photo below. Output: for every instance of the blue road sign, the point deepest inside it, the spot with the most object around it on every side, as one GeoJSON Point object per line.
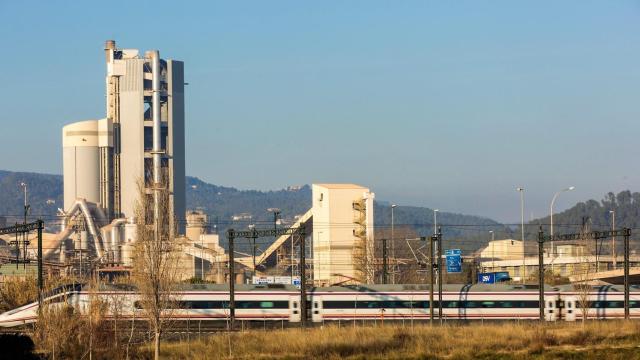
{"type": "Point", "coordinates": [454, 260]}
{"type": "Point", "coordinates": [487, 278]}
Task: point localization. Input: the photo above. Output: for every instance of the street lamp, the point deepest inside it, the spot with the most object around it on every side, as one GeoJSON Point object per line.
{"type": "Point", "coordinates": [524, 264]}
{"type": "Point", "coordinates": [435, 221]}
{"type": "Point", "coordinates": [276, 217]}
{"type": "Point", "coordinates": [393, 245]}
{"type": "Point", "coordinates": [26, 206]}
{"type": "Point", "coordinates": [613, 238]}
{"type": "Point", "coordinates": [553, 200]}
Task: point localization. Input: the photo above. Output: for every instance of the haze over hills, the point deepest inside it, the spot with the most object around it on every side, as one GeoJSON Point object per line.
{"type": "Point", "coordinates": [230, 207]}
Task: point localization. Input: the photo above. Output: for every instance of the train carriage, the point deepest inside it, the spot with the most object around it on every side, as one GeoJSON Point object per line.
{"type": "Point", "coordinates": [411, 302]}
{"type": "Point", "coordinates": [599, 302]}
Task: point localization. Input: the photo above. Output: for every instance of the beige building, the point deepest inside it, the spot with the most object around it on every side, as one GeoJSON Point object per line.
{"type": "Point", "coordinates": [571, 261]}
{"type": "Point", "coordinates": [342, 234]}
{"type": "Point", "coordinates": [507, 249]}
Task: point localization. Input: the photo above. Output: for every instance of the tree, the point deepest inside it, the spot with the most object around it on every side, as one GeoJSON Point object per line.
{"type": "Point", "coordinates": [155, 261]}
{"type": "Point", "coordinates": [582, 286]}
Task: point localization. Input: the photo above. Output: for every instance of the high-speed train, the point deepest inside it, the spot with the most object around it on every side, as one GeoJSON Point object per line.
{"type": "Point", "coordinates": [346, 303]}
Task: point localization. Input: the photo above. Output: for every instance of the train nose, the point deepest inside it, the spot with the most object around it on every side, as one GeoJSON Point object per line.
{"type": "Point", "coordinates": [20, 316]}
{"type": "Point", "coordinates": [8, 320]}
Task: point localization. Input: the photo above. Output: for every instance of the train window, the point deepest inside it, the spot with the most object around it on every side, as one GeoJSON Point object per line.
{"type": "Point", "coordinates": [550, 304]}
{"type": "Point", "coordinates": [615, 304]}
{"type": "Point", "coordinates": [56, 299]}
{"type": "Point", "coordinates": [488, 304]}
{"type": "Point", "coordinates": [372, 304]}
{"type": "Point", "coordinates": [262, 304]}
{"type": "Point", "coordinates": [295, 304]}
{"type": "Point", "coordinates": [569, 304]}
{"type": "Point", "coordinates": [450, 304]}
{"type": "Point", "coordinates": [266, 304]}
{"type": "Point", "coordinates": [199, 304]}
{"type": "Point", "coordinates": [315, 304]}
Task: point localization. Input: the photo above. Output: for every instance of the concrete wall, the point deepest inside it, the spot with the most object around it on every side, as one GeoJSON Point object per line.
{"type": "Point", "coordinates": [131, 134]}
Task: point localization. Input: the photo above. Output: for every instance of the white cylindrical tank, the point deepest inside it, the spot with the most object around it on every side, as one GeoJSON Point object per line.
{"type": "Point", "coordinates": [127, 254]}
{"type": "Point", "coordinates": [81, 162]}
{"type": "Point", "coordinates": [84, 240]}
{"type": "Point", "coordinates": [76, 241]}
{"type": "Point", "coordinates": [130, 233]}
{"type": "Point", "coordinates": [63, 251]}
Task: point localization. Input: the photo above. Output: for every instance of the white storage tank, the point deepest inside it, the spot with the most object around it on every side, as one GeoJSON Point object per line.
{"type": "Point", "coordinates": [81, 162]}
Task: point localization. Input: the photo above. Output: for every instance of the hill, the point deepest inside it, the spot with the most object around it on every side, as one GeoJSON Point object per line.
{"type": "Point", "coordinates": [228, 206]}
{"type": "Point", "coordinates": [625, 204]}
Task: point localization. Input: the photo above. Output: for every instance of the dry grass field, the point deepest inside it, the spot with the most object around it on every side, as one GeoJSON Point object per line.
{"type": "Point", "coordinates": [593, 340]}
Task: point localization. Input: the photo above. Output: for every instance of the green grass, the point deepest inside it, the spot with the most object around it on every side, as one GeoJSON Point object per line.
{"type": "Point", "coordinates": [594, 340]}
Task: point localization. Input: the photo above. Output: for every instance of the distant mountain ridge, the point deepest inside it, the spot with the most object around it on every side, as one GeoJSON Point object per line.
{"type": "Point", "coordinates": [230, 207]}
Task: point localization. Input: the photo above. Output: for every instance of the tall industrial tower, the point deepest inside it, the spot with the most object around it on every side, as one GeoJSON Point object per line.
{"type": "Point", "coordinates": [122, 153]}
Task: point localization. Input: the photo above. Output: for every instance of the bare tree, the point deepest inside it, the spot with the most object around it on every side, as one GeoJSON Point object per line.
{"type": "Point", "coordinates": [582, 286]}
{"type": "Point", "coordinates": [155, 261]}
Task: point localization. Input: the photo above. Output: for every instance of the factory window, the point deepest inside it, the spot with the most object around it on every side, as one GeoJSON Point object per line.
{"type": "Point", "coordinates": [148, 137]}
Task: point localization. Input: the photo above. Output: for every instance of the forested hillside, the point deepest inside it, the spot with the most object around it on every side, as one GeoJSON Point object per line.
{"type": "Point", "coordinates": [223, 203]}
{"type": "Point", "coordinates": [625, 204]}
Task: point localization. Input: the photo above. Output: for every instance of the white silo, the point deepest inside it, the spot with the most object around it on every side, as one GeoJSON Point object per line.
{"type": "Point", "coordinates": [81, 162]}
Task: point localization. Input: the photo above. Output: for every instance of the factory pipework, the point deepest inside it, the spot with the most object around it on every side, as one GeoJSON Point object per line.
{"type": "Point", "coordinates": [79, 205]}
{"type": "Point", "coordinates": [115, 238]}
{"type": "Point", "coordinates": [155, 61]}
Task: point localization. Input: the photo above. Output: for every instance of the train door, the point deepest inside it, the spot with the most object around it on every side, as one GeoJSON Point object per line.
{"type": "Point", "coordinates": [294, 309]}
{"type": "Point", "coordinates": [569, 309]}
{"type": "Point", "coordinates": [316, 309]}
{"type": "Point", "coordinates": [550, 310]}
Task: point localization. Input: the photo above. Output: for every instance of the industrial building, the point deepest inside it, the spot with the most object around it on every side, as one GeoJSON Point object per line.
{"type": "Point", "coordinates": [105, 159]}
{"type": "Point", "coordinates": [572, 261]}
{"type": "Point", "coordinates": [342, 234]}
{"type": "Point", "coordinates": [339, 239]}
{"type": "Point", "coordinates": [108, 161]}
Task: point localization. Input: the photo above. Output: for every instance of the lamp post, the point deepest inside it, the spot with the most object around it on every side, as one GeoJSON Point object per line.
{"type": "Point", "coordinates": [276, 217]}
{"type": "Point", "coordinates": [524, 263]}
{"type": "Point", "coordinates": [435, 221]}
{"type": "Point", "coordinates": [553, 200]}
{"type": "Point", "coordinates": [393, 246]}
{"type": "Point", "coordinates": [253, 251]}
{"type": "Point", "coordinates": [26, 206]}
{"type": "Point", "coordinates": [493, 255]}
{"type": "Point", "coordinates": [613, 238]}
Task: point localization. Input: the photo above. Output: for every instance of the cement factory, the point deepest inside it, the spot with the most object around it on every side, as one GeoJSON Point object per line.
{"type": "Point", "coordinates": [106, 160]}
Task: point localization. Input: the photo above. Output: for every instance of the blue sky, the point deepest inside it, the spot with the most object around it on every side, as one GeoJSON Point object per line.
{"type": "Point", "coordinates": [441, 104]}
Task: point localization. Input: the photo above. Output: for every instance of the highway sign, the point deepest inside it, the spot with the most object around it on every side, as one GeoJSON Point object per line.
{"type": "Point", "coordinates": [454, 260]}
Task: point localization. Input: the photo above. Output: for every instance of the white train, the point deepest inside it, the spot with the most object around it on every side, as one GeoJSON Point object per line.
{"type": "Point", "coordinates": [347, 303]}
